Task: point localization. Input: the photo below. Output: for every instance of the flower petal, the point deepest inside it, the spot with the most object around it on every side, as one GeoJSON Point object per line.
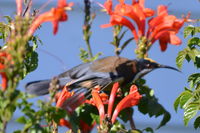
{"type": "Point", "coordinates": [174, 39]}
{"type": "Point", "coordinates": [99, 104]}
{"type": "Point", "coordinates": [112, 98]}
{"type": "Point", "coordinates": [19, 7]}
{"type": "Point", "coordinates": [130, 100]}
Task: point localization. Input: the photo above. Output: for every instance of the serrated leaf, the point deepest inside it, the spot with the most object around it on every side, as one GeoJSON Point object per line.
{"type": "Point", "coordinates": [180, 58]}
{"type": "Point", "coordinates": [197, 122]}
{"type": "Point", "coordinates": [193, 53]}
{"type": "Point", "coordinates": [194, 79]}
{"type": "Point", "coordinates": [185, 96]}
{"type": "Point", "coordinates": [189, 30]}
{"type": "Point", "coordinates": [195, 41]}
{"type": "Point", "coordinates": [190, 111]}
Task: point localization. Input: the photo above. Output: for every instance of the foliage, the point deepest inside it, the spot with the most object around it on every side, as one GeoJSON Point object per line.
{"type": "Point", "coordinates": [189, 99]}
{"type": "Point", "coordinates": [18, 57]}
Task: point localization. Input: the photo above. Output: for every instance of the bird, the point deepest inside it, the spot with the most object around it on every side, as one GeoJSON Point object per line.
{"type": "Point", "coordinates": [100, 72]}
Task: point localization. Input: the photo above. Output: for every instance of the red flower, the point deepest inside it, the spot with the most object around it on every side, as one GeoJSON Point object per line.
{"type": "Point", "coordinates": [164, 28]}
{"type": "Point", "coordinates": [69, 100]}
{"type": "Point", "coordinates": [19, 7]}
{"type": "Point", "coordinates": [99, 104]}
{"type": "Point", "coordinates": [55, 15]}
{"type": "Point", "coordinates": [63, 96]}
{"type": "Point", "coordinates": [130, 100]}
{"type": "Point", "coordinates": [65, 123]}
{"type": "Point", "coordinates": [4, 56]}
{"type": "Point", "coordinates": [137, 12]}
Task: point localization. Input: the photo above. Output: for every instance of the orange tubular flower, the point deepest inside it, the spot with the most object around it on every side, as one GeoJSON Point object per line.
{"type": "Point", "coordinates": [118, 19]}
{"type": "Point", "coordinates": [99, 104]}
{"type": "Point", "coordinates": [62, 97]}
{"type": "Point", "coordinates": [137, 12]}
{"type": "Point", "coordinates": [55, 15]}
{"type": "Point", "coordinates": [112, 98]}
{"type": "Point", "coordinates": [130, 100]}
{"type": "Point", "coordinates": [19, 7]}
{"type": "Point", "coordinates": [3, 56]}
{"type": "Point", "coordinates": [164, 28]}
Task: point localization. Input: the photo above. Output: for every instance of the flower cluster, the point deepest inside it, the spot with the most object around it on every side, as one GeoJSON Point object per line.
{"type": "Point", "coordinates": [98, 100]}
{"type": "Point", "coordinates": [162, 27]}
{"type": "Point", "coordinates": [63, 101]}
{"type": "Point", "coordinates": [130, 100]}
{"type": "Point", "coordinates": [55, 15]}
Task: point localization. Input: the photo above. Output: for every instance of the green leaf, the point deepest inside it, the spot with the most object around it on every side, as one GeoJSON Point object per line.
{"type": "Point", "coordinates": [126, 43]}
{"type": "Point", "coordinates": [165, 119]}
{"type": "Point", "coordinates": [189, 30]}
{"type": "Point", "coordinates": [126, 114]}
{"type": "Point", "coordinates": [193, 53]}
{"type": "Point", "coordinates": [194, 79]}
{"type": "Point", "coordinates": [180, 58]}
{"type": "Point", "coordinates": [8, 19]}
{"type": "Point", "coordinates": [177, 102]}
{"type": "Point", "coordinates": [190, 111]}
{"type": "Point", "coordinates": [21, 120]}
{"type": "Point", "coordinates": [185, 96]}
{"type": "Point", "coordinates": [195, 41]}
{"type": "Point", "coordinates": [197, 61]}
{"type": "Point", "coordinates": [148, 129]}
{"type": "Point", "coordinates": [197, 122]}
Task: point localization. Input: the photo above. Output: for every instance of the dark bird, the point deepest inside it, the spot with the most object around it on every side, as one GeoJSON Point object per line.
{"type": "Point", "coordinates": [100, 72]}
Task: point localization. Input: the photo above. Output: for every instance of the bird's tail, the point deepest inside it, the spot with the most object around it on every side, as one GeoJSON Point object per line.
{"type": "Point", "coordinates": [41, 87]}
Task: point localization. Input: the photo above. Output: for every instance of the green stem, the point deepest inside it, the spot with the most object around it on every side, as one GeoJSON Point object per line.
{"type": "Point", "coordinates": [87, 26]}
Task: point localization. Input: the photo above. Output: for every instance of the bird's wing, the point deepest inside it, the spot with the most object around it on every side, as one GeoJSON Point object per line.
{"type": "Point", "coordinates": [77, 71]}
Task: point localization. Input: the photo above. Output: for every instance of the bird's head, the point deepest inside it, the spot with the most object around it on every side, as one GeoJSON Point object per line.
{"type": "Point", "coordinates": [146, 65]}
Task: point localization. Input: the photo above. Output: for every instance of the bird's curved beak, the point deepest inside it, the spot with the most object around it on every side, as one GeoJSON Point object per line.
{"type": "Point", "coordinates": [168, 67]}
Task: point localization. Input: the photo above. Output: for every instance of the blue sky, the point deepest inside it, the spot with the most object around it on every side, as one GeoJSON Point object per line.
{"type": "Point", "coordinates": [65, 45]}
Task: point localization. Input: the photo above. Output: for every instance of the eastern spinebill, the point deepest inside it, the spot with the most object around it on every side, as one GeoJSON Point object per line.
{"type": "Point", "coordinates": [99, 73]}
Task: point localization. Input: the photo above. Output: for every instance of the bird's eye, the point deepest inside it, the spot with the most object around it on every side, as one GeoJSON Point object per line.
{"type": "Point", "coordinates": [147, 65]}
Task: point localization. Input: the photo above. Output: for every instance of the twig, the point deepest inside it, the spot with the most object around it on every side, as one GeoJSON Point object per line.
{"type": "Point", "coordinates": [87, 26]}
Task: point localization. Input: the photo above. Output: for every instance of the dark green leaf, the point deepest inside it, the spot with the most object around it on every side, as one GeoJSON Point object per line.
{"type": "Point", "coordinates": [126, 114]}
{"type": "Point", "coordinates": [197, 61]}
{"type": "Point", "coordinates": [194, 79]}
{"type": "Point", "coordinates": [165, 119]}
{"type": "Point", "coordinates": [126, 43]}
{"type": "Point", "coordinates": [197, 122]}
{"type": "Point", "coordinates": [148, 129]}
{"type": "Point", "coordinates": [195, 41]}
